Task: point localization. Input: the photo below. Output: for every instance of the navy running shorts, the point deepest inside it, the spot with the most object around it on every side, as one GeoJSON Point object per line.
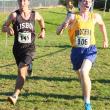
{"type": "Point", "coordinates": [78, 54]}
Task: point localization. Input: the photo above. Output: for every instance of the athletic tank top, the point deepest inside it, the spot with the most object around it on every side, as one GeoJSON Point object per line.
{"type": "Point", "coordinates": [24, 31]}
{"type": "Point", "coordinates": [81, 33]}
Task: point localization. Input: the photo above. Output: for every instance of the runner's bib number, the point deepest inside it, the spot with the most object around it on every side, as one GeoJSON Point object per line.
{"type": "Point", "coordinates": [83, 41]}
{"type": "Point", "coordinates": [24, 37]}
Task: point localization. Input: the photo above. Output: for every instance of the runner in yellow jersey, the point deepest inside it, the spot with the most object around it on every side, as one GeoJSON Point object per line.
{"type": "Point", "coordinates": [83, 54]}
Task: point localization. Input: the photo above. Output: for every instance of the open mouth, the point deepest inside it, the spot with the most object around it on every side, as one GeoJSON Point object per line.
{"type": "Point", "coordinates": [86, 6]}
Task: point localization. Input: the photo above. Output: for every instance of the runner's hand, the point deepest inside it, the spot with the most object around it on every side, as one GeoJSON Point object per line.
{"type": "Point", "coordinates": [42, 34]}
{"type": "Point", "coordinates": [10, 31]}
{"type": "Point", "coordinates": [105, 44]}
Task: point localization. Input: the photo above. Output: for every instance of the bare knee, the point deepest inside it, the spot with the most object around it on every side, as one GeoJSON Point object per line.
{"type": "Point", "coordinates": [22, 72]}
{"type": "Point", "coordinates": [84, 74]}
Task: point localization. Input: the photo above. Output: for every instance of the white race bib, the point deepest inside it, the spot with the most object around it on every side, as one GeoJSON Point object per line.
{"type": "Point", "coordinates": [83, 41]}
{"type": "Point", "coordinates": [24, 37]}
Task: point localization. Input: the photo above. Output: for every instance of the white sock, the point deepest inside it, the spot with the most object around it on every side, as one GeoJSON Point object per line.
{"type": "Point", "coordinates": [86, 100]}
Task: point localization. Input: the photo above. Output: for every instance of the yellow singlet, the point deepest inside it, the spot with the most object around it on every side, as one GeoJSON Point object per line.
{"type": "Point", "coordinates": [81, 32]}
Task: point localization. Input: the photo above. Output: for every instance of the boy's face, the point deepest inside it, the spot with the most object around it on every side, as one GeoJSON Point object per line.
{"type": "Point", "coordinates": [86, 4]}
{"type": "Point", "coordinates": [23, 3]}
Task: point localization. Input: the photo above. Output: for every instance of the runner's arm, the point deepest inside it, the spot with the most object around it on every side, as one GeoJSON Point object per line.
{"type": "Point", "coordinates": [68, 21]}
{"type": "Point", "coordinates": [40, 20]}
{"type": "Point", "coordinates": [102, 27]}
{"type": "Point", "coordinates": [6, 26]}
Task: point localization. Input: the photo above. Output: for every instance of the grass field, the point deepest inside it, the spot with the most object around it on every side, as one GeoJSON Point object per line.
{"type": "Point", "coordinates": [54, 86]}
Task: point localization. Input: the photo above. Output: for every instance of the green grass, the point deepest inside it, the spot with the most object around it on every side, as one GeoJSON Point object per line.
{"type": "Point", "coordinates": [54, 85]}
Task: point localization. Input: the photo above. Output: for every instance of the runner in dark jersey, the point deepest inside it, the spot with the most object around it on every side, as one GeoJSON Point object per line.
{"type": "Point", "coordinates": [23, 28]}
